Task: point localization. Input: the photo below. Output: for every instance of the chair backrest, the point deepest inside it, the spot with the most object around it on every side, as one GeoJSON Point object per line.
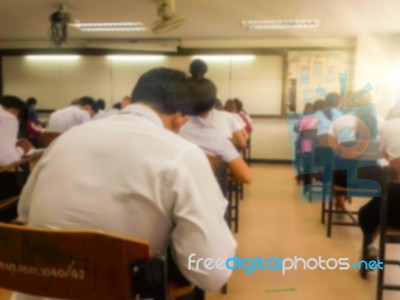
{"type": "Point", "coordinates": [68, 264]}
{"type": "Point", "coordinates": [49, 137]}
{"type": "Point", "coordinates": [220, 171]}
{"type": "Point", "coordinates": [395, 165]}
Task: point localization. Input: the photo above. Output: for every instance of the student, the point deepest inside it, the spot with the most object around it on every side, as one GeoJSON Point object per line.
{"type": "Point", "coordinates": [32, 112]}
{"type": "Point", "coordinates": [199, 130]}
{"type": "Point", "coordinates": [307, 128]}
{"type": "Point", "coordinates": [198, 69]}
{"type": "Point", "coordinates": [369, 214]}
{"type": "Point", "coordinates": [101, 113]}
{"type": "Point", "coordinates": [230, 106]}
{"type": "Point", "coordinates": [363, 129]}
{"type": "Point", "coordinates": [64, 119]}
{"type": "Point", "coordinates": [131, 174]}
{"type": "Point", "coordinates": [34, 128]}
{"type": "Point", "coordinates": [221, 120]}
{"type": "Point", "coordinates": [11, 150]}
{"type": "Point", "coordinates": [243, 114]}
{"type": "Point", "coordinates": [119, 105]}
{"type": "Point", "coordinates": [326, 117]}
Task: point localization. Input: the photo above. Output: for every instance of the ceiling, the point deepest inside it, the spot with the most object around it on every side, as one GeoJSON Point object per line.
{"type": "Point", "coordinates": [206, 19]}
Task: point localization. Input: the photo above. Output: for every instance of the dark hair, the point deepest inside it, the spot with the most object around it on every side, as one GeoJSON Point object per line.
{"type": "Point", "coordinates": [218, 104]}
{"type": "Point", "coordinates": [31, 101]}
{"type": "Point", "coordinates": [88, 101]}
{"type": "Point", "coordinates": [12, 102]}
{"type": "Point", "coordinates": [308, 108]}
{"type": "Point", "coordinates": [165, 89]}
{"type": "Point", "coordinates": [203, 94]}
{"type": "Point", "coordinates": [198, 68]}
{"type": "Point", "coordinates": [239, 104]}
{"type": "Point", "coordinates": [319, 105]}
{"type": "Point", "coordinates": [331, 101]}
{"type": "Point", "coordinates": [117, 105]}
{"type": "Point", "coordinates": [229, 105]}
{"type": "Point", "coordinates": [101, 104]}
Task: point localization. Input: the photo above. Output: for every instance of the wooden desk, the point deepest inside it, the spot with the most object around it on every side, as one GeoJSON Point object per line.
{"type": "Point", "coordinates": [22, 161]}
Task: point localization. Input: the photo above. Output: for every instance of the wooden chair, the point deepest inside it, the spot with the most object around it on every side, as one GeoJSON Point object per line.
{"type": "Point", "coordinates": [356, 160]}
{"type": "Point", "coordinates": [19, 171]}
{"type": "Point", "coordinates": [49, 137]}
{"type": "Point", "coordinates": [221, 174]}
{"type": "Point", "coordinates": [81, 265]}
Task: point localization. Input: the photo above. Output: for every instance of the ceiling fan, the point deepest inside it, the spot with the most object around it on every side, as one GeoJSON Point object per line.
{"type": "Point", "coordinates": [168, 18]}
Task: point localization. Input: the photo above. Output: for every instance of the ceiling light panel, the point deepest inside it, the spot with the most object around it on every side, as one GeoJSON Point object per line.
{"type": "Point", "coordinates": [126, 58]}
{"type": "Point", "coordinates": [101, 27]}
{"type": "Point", "coordinates": [52, 57]}
{"type": "Point", "coordinates": [281, 24]}
{"type": "Point", "coordinates": [224, 57]}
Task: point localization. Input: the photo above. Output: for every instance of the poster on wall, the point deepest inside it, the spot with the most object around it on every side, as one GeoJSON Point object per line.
{"type": "Point", "coordinates": [305, 75]}
{"type": "Point", "coordinates": [311, 69]}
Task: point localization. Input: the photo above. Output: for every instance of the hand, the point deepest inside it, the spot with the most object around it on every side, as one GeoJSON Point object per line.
{"type": "Point", "coordinates": [25, 145]}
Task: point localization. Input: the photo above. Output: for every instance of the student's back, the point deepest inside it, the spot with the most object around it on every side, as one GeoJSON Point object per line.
{"type": "Point", "coordinates": [130, 174]}
{"type": "Point", "coordinates": [66, 118]}
{"type": "Point", "coordinates": [125, 196]}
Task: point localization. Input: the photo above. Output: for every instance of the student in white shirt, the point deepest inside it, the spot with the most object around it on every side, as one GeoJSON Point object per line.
{"type": "Point", "coordinates": [230, 126]}
{"type": "Point", "coordinates": [11, 150]}
{"type": "Point", "coordinates": [131, 174]}
{"type": "Point", "coordinates": [200, 131]}
{"type": "Point", "coordinates": [221, 120]}
{"type": "Point", "coordinates": [64, 119]}
{"type": "Point", "coordinates": [101, 110]}
{"type": "Point", "coordinates": [119, 105]}
{"type": "Point", "coordinates": [369, 214]}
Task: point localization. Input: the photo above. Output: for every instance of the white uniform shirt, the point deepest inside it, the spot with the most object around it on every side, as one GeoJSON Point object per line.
{"type": "Point", "coordinates": [129, 175]}
{"type": "Point", "coordinates": [101, 114]}
{"type": "Point", "coordinates": [112, 112]}
{"type": "Point", "coordinates": [390, 138]}
{"type": "Point", "coordinates": [200, 132]}
{"type": "Point", "coordinates": [64, 119]}
{"type": "Point", "coordinates": [9, 152]}
{"type": "Point", "coordinates": [225, 122]}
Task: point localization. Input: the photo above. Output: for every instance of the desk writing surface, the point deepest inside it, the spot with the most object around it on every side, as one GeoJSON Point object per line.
{"type": "Point", "coordinates": [25, 159]}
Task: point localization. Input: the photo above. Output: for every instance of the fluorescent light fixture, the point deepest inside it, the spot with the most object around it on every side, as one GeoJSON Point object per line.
{"type": "Point", "coordinates": [147, 47]}
{"type": "Point", "coordinates": [136, 57]}
{"type": "Point", "coordinates": [101, 27]}
{"type": "Point", "coordinates": [53, 57]}
{"type": "Point", "coordinates": [281, 24]}
{"type": "Point", "coordinates": [225, 57]}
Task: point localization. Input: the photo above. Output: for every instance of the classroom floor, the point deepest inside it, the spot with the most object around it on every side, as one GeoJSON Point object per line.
{"type": "Point", "coordinates": [274, 222]}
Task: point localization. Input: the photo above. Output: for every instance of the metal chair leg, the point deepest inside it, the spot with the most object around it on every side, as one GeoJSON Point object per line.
{"type": "Point", "coordinates": [323, 204]}
{"type": "Point", "coordinates": [225, 289]}
{"type": "Point", "coordinates": [381, 274]}
{"type": "Point", "coordinates": [329, 227]}
{"type": "Point", "coordinates": [363, 270]}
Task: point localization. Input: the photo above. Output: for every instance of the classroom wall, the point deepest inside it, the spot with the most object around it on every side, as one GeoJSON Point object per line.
{"type": "Point", "coordinates": [377, 61]}
{"type": "Point", "coordinates": [257, 81]}
{"type": "Point", "coordinates": [270, 140]}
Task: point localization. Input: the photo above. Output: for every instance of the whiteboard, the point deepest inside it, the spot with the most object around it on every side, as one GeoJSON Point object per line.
{"type": "Point", "coordinates": [258, 82]}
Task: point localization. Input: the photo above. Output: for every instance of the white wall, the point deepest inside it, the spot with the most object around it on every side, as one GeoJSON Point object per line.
{"type": "Point", "coordinates": [258, 83]}
{"type": "Point", "coordinates": [271, 135]}
{"type": "Point", "coordinates": [377, 61]}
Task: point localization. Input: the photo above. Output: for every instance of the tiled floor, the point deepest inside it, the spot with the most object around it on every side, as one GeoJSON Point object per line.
{"type": "Point", "coordinates": [274, 222]}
